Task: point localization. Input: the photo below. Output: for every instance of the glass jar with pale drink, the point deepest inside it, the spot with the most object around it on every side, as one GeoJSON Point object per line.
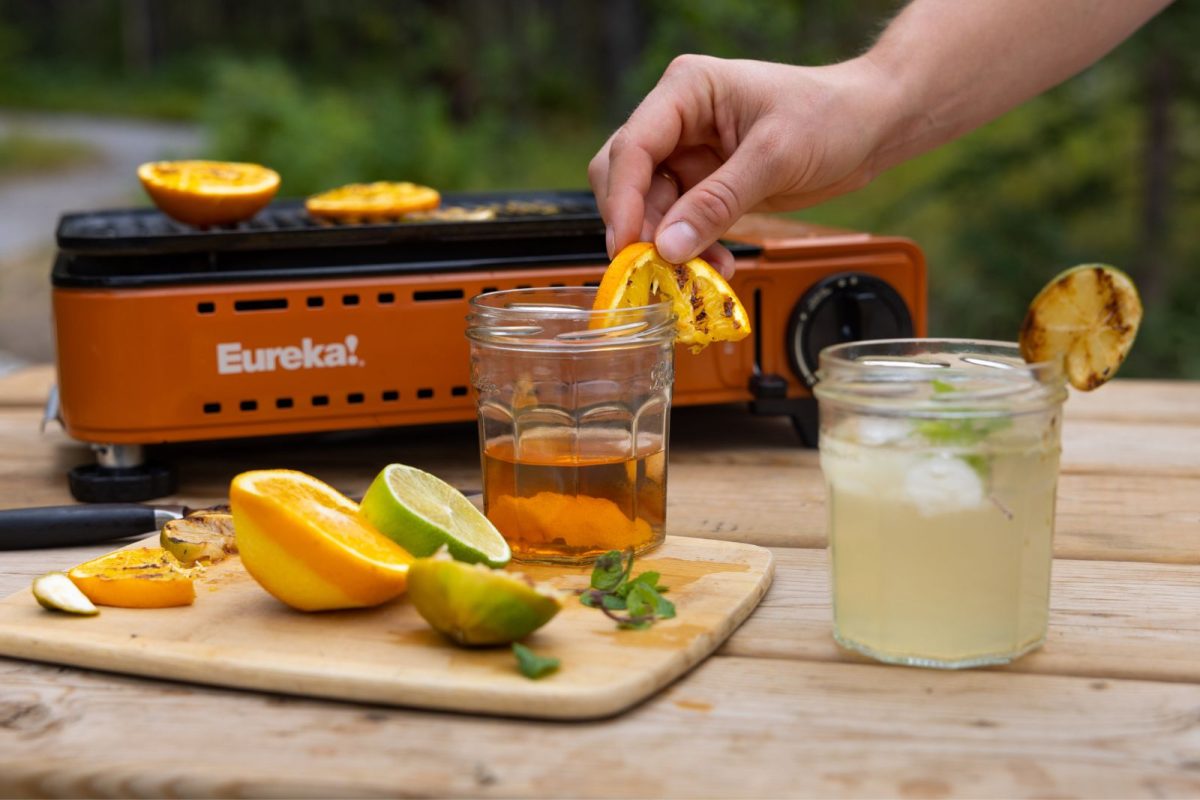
{"type": "Point", "coordinates": [941, 463]}
{"type": "Point", "coordinates": [574, 406]}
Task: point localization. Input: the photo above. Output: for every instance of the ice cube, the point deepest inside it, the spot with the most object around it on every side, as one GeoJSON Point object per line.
{"type": "Point", "coordinates": [880, 430]}
{"type": "Point", "coordinates": [942, 483]}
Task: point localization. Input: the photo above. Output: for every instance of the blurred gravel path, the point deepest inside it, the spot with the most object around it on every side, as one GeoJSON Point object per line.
{"type": "Point", "coordinates": [31, 204]}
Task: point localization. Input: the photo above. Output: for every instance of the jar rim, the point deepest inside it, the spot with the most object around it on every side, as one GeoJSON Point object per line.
{"type": "Point", "coordinates": [561, 318]}
{"type": "Point", "coordinates": [938, 377]}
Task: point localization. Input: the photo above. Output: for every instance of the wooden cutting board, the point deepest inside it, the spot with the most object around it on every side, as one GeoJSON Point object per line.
{"type": "Point", "coordinates": [239, 636]}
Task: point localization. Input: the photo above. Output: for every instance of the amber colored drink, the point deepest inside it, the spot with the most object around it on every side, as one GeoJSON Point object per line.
{"type": "Point", "coordinates": [567, 495]}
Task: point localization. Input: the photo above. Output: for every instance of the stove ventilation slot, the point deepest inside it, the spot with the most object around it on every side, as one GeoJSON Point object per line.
{"type": "Point", "coordinates": [262, 304]}
{"type": "Point", "coordinates": [316, 302]}
{"type": "Point", "coordinates": [437, 294]}
{"type": "Point", "coordinates": [424, 394]}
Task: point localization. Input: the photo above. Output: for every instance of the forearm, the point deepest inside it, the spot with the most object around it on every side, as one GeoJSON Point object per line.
{"type": "Point", "coordinates": [953, 65]}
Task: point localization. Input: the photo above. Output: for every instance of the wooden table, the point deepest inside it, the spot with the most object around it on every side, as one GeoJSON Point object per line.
{"type": "Point", "coordinates": [1109, 707]}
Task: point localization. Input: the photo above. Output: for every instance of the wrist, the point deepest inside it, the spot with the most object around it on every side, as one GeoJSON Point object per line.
{"type": "Point", "coordinates": [888, 116]}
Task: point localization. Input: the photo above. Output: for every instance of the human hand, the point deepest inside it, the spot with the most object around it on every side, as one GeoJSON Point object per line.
{"type": "Point", "coordinates": [733, 137]}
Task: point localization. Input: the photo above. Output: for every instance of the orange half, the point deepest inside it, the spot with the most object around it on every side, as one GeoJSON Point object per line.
{"type": "Point", "coordinates": [369, 201]}
{"type": "Point", "coordinates": [145, 577]}
{"type": "Point", "coordinates": [305, 543]}
{"type": "Point", "coordinates": [206, 193]}
{"type": "Point", "coordinates": [706, 308]}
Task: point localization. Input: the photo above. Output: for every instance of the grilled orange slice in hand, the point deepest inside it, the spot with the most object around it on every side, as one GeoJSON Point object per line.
{"type": "Point", "coordinates": [204, 193]}
{"type": "Point", "coordinates": [305, 543]}
{"type": "Point", "coordinates": [706, 309]}
{"type": "Point", "coordinates": [144, 577]}
{"type": "Point", "coordinates": [372, 201]}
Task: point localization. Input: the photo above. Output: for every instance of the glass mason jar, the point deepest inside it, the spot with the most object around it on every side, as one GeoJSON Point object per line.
{"type": "Point", "coordinates": [941, 462]}
{"type": "Point", "coordinates": [574, 407]}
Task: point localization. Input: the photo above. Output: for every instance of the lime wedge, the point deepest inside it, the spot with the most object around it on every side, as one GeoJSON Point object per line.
{"type": "Point", "coordinates": [474, 605]}
{"type": "Point", "coordinates": [55, 591]}
{"type": "Point", "coordinates": [1088, 316]}
{"type": "Point", "coordinates": [421, 513]}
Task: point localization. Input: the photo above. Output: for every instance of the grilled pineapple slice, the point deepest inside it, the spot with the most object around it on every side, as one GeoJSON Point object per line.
{"type": "Point", "coordinates": [202, 536]}
{"type": "Point", "coordinates": [1088, 316]}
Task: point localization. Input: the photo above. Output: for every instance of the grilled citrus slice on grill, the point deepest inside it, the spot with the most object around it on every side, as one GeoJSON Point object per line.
{"type": "Point", "coordinates": [706, 309]}
{"type": "Point", "coordinates": [1087, 316]}
{"type": "Point", "coordinates": [144, 577]}
{"type": "Point", "coordinates": [204, 193]}
{"type": "Point", "coordinates": [372, 201]}
{"type": "Point", "coordinates": [306, 544]}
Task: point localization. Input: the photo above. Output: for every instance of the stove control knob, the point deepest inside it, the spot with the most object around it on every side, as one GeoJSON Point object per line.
{"type": "Point", "coordinates": [847, 307]}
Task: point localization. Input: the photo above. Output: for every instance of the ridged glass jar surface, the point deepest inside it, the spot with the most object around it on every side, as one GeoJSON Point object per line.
{"type": "Point", "coordinates": [941, 464]}
{"type": "Point", "coordinates": [574, 407]}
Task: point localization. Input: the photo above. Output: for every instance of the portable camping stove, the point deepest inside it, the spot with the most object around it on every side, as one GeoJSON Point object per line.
{"type": "Point", "coordinates": [286, 324]}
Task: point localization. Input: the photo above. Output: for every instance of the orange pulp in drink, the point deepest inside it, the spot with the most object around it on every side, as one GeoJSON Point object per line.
{"type": "Point", "coordinates": [563, 495]}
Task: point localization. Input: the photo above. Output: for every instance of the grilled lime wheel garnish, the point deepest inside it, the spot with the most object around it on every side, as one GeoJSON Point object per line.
{"type": "Point", "coordinates": [1088, 317]}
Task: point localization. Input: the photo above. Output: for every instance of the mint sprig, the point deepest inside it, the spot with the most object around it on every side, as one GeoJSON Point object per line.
{"type": "Point", "coordinates": [532, 665]}
{"type": "Point", "coordinates": [613, 591]}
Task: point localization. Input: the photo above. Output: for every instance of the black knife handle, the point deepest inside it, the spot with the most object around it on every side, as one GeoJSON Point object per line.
{"type": "Point", "coordinates": [64, 526]}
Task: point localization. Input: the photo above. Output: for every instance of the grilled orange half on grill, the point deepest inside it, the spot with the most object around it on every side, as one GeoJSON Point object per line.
{"type": "Point", "coordinates": [372, 201]}
{"type": "Point", "coordinates": [204, 193]}
{"type": "Point", "coordinates": [706, 309]}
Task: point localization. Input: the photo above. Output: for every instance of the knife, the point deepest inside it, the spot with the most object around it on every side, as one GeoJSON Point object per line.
{"type": "Point", "coordinates": [66, 526]}
{"type": "Point", "coordinates": [90, 523]}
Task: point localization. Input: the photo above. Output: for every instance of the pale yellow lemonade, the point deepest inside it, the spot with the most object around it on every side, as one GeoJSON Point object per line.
{"type": "Point", "coordinates": [941, 529]}
{"type": "Point", "coordinates": [932, 561]}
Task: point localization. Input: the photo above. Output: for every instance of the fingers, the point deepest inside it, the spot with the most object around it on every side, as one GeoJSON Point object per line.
{"type": "Point", "coordinates": [709, 208]}
{"type": "Point", "coordinates": [719, 256]}
{"type": "Point", "coordinates": [621, 174]}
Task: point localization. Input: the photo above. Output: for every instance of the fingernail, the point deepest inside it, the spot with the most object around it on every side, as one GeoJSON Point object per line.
{"type": "Point", "coordinates": [678, 243]}
{"type": "Point", "coordinates": [608, 239]}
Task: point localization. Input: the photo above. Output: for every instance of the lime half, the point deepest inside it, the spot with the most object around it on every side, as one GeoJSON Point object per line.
{"type": "Point", "coordinates": [1087, 316]}
{"type": "Point", "coordinates": [421, 513]}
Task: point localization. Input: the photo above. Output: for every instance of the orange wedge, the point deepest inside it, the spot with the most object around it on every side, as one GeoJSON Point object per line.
{"type": "Point", "coordinates": [706, 309]}
{"type": "Point", "coordinates": [369, 201]}
{"type": "Point", "coordinates": [145, 577]}
{"type": "Point", "coordinates": [206, 193]}
{"type": "Point", "coordinates": [306, 544]}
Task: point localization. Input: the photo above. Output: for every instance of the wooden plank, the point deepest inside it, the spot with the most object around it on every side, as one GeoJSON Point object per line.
{"type": "Point", "coordinates": [735, 727]}
{"type": "Point", "coordinates": [1108, 619]}
{"type": "Point", "coordinates": [1126, 515]}
{"type": "Point", "coordinates": [1139, 401]}
{"type": "Point", "coordinates": [27, 387]}
{"type": "Point", "coordinates": [238, 635]}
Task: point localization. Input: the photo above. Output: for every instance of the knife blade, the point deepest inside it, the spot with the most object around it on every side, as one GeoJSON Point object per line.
{"type": "Point", "coordinates": [68, 526]}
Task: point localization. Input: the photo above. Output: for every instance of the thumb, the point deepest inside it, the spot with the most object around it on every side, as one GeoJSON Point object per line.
{"type": "Point", "coordinates": [708, 209]}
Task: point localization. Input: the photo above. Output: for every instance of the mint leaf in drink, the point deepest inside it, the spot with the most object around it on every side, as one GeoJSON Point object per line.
{"type": "Point", "coordinates": [960, 432]}
{"type": "Point", "coordinates": [942, 387]}
{"type": "Point", "coordinates": [532, 665]}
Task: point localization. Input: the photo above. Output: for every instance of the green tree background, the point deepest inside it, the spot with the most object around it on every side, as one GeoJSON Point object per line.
{"type": "Point", "coordinates": [483, 94]}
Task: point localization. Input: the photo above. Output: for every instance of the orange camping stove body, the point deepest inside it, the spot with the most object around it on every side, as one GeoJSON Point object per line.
{"type": "Point", "coordinates": [288, 353]}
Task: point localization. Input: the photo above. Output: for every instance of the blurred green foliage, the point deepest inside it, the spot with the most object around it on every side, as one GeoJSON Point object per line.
{"type": "Point", "coordinates": [21, 153]}
{"type": "Point", "coordinates": [476, 94]}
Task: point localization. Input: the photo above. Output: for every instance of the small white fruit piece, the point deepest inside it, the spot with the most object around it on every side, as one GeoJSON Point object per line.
{"type": "Point", "coordinates": [55, 591]}
{"type": "Point", "coordinates": [1088, 317]}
